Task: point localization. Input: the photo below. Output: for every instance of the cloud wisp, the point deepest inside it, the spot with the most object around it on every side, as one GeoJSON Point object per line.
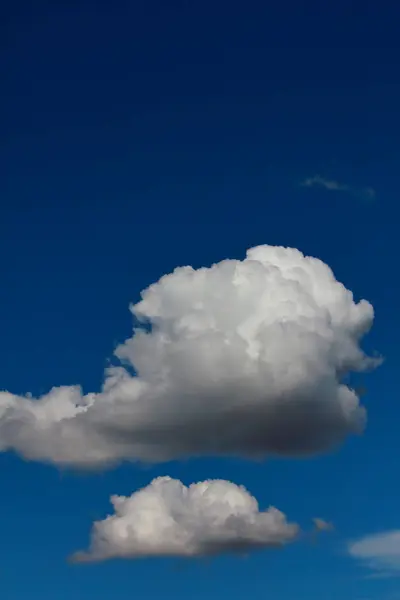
{"type": "Point", "coordinates": [245, 358]}
{"type": "Point", "coordinates": [322, 525]}
{"type": "Point", "coordinates": [166, 518]}
{"type": "Point", "coordinates": [379, 552]}
{"type": "Point", "coordinates": [367, 193]}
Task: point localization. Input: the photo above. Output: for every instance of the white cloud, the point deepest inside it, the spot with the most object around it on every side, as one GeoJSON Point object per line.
{"type": "Point", "coordinates": [322, 525]}
{"type": "Point", "coordinates": [242, 358]}
{"type": "Point", "coordinates": [328, 184]}
{"type": "Point", "coordinates": [166, 518]}
{"type": "Point", "coordinates": [380, 552]}
{"type": "Point", "coordinates": [368, 193]}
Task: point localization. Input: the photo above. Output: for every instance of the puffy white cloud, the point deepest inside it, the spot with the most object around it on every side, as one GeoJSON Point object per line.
{"type": "Point", "coordinates": [243, 358]}
{"type": "Point", "coordinates": [380, 551]}
{"type": "Point", "coordinates": [166, 518]}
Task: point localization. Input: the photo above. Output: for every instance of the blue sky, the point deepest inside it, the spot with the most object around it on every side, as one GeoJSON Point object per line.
{"type": "Point", "coordinates": [138, 137]}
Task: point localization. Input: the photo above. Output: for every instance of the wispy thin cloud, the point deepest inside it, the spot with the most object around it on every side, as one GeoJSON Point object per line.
{"type": "Point", "coordinates": [379, 552]}
{"type": "Point", "coordinates": [331, 185]}
{"type": "Point", "coordinates": [322, 525]}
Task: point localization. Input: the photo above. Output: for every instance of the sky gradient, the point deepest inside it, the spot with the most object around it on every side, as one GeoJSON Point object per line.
{"type": "Point", "coordinates": [142, 136]}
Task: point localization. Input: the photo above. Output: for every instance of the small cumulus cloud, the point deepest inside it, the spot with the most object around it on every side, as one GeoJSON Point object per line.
{"type": "Point", "coordinates": [167, 518]}
{"type": "Point", "coordinates": [367, 193]}
{"type": "Point", "coordinates": [379, 552]}
{"type": "Point", "coordinates": [244, 358]}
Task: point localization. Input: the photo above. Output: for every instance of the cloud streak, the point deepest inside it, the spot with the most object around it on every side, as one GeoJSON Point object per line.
{"type": "Point", "coordinates": [368, 193]}
{"type": "Point", "coordinates": [379, 552]}
{"type": "Point", "coordinates": [166, 518]}
{"type": "Point", "coordinates": [244, 358]}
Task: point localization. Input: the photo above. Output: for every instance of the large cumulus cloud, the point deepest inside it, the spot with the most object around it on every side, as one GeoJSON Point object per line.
{"type": "Point", "coordinates": [242, 358]}
{"type": "Point", "coordinates": [166, 518]}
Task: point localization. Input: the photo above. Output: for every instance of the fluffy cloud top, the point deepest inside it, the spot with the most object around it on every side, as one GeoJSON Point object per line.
{"type": "Point", "coordinates": [169, 519]}
{"type": "Point", "coordinates": [380, 552]}
{"type": "Point", "coordinates": [242, 358]}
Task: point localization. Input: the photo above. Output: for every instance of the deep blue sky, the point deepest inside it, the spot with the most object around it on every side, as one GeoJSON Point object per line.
{"type": "Point", "coordinates": [138, 136]}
